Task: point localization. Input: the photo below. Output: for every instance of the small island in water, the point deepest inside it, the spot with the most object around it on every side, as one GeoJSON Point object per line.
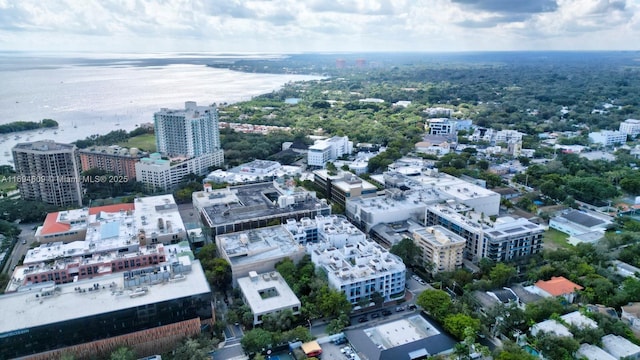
{"type": "Point", "coordinates": [17, 126]}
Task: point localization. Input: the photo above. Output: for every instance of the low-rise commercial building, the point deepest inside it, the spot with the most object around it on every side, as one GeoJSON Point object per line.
{"type": "Point", "coordinates": [267, 294]}
{"type": "Point", "coordinates": [149, 309]}
{"type": "Point", "coordinates": [580, 226]}
{"type": "Point", "coordinates": [258, 250]}
{"type": "Point", "coordinates": [245, 207]}
{"type": "Point", "coordinates": [343, 186]}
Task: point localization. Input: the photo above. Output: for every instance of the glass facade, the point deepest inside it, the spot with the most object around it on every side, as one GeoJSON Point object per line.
{"type": "Point", "coordinates": [101, 326]}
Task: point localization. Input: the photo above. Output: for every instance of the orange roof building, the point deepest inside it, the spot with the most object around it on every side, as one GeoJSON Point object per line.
{"type": "Point", "coordinates": [558, 286]}
{"type": "Point", "coordinates": [71, 225]}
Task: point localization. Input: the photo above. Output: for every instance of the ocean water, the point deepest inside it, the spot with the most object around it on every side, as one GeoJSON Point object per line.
{"type": "Point", "coordinates": [101, 93]}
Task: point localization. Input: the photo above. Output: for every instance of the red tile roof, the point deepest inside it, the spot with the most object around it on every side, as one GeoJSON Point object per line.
{"type": "Point", "coordinates": [558, 286]}
{"type": "Point", "coordinates": [52, 226]}
{"type": "Point", "coordinates": [111, 208]}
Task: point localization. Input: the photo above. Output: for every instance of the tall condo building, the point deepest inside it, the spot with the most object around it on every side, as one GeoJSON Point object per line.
{"type": "Point", "coordinates": [189, 132]}
{"type": "Point", "coordinates": [48, 172]}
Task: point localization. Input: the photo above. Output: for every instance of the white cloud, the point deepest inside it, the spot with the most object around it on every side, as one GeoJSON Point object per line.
{"type": "Point", "coordinates": [317, 25]}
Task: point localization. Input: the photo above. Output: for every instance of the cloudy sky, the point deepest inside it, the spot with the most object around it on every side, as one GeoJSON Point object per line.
{"type": "Point", "coordinates": [318, 25]}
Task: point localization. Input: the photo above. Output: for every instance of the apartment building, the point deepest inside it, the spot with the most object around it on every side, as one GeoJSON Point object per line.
{"type": "Point", "coordinates": [48, 172]}
{"type": "Point", "coordinates": [114, 159]}
{"type": "Point", "coordinates": [440, 247]}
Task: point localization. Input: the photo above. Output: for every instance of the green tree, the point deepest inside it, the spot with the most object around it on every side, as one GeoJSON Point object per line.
{"type": "Point", "coordinates": [459, 324]}
{"type": "Point", "coordinates": [501, 274]}
{"type": "Point", "coordinates": [123, 353]}
{"type": "Point", "coordinates": [190, 349]}
{"type": "Point", "coordinates": [333, 303]}
{"type": "Point", "coordinates": [542, 309]}
{"type": "Point", "coordinates": [407, 250]}
{"type": "Point", "coordinates": [557, 347]}
{"type": "Point", "coordinates": [255, 340]}
{"type": "Point", "coordinates": [219, 274]}
{"type": "Point", "coordinates": [435, 302]}
{"type": "Point", "coordinates": [511, 351]}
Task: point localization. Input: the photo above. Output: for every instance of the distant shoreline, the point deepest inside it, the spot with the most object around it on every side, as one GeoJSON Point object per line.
{"type": "Point", "coordinates": [23, 126]}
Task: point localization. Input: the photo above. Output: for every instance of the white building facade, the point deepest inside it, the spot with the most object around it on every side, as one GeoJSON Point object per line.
{"type": "Point", "coordinates": [327, 150]}
{"type": "Point", "coordinates": [608, 137]}
{"type": "Point", "coordinates": [158, 173]}
{"type": "Point", "coordinates": [189, 132]}
{"type": "Point", "coordinates": [630, 127]}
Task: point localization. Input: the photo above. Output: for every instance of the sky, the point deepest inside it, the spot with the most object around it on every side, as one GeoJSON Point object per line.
{"type": "Point", "coordinates": [287, 26]}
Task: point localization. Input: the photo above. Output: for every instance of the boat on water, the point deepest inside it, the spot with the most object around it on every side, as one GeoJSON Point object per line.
{"type": "Point", "coordinates": [55, 132]}
{"type": "Point", "coordinates": [6, 153]}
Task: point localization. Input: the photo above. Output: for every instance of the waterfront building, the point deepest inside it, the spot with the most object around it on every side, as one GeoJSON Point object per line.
{"type": "Point", "coordinates": [113, 159]}
{"type": "Point", "coordinates": [48, 172]}
{"type": "Point", "coordinates": [158, 173]}
{"type": "Point", "coordinates": [189, 132]}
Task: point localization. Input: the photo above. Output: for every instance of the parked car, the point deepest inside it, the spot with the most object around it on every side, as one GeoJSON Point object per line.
{"type": "Point", "coordinates": [400, 308]}
{"type": "Point", "coordinates": [375, 315]}
{"type": "Point", "coordinates": [412, 307]}
{"type": "Point", "coordinates": [340, 341]}
{"type": "Point", "coordinates": [386, 312]}
{"type": "Point", "coordinates": [363, 319]}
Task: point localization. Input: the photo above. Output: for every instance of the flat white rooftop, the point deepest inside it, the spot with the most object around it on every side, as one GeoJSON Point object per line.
{"type": "Point", "coordinates": [153, 212]}
{"type": "Point", "coordinates": [400, 332]}
{"type": "Point", "coordinates": [267, 292]}
{"type": "Point", "coordinates": [258, 244]}
{"type": "Point", "coordinates": [46, 305]}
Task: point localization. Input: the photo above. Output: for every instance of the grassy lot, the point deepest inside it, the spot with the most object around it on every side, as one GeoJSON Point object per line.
{"type": "Point", "coordinates": [145, 142]}
{"type": "Point", "coordinates": [6, 184]}
{"type": "Point", "coordinates": [554, 239]}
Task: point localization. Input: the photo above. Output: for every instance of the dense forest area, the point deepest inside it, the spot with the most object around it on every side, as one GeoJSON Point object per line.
{"type": "Point", "coordinates": [530, 92]}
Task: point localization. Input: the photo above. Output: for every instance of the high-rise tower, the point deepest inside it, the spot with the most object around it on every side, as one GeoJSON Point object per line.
{"type": "Point", "coordinates": [49, 172]}
{"type": "Point", "coordinates": [189, 132]}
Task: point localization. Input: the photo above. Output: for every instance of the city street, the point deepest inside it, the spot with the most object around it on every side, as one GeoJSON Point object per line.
{"type": "Point", "coordinates": [25, 239]}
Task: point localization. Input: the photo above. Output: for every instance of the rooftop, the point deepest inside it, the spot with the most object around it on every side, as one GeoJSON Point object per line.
{"type": "Point", "coordinates": [267, 292]}
{"type": "Point", "coordinates": [558, 286]}
{"type": "Point", "coordinates": [592, 352]}
{"type": "Point", "coordinates": [396, 339]}
{"type": "Point", "coordinates": [255, 201]}
{"type": "Point", "coordinates": [582, 218]}
{"type": "Point", "coordinates": [43, 146]}
{"type": "Point", "coordinates": [246, 247]}
{"type": "Point", "coordinates": [47, 303]}
{"type": "Point", "coordinates": [619, 347]}
{"type": "Point", "coordinates": [551, 327]}
{"type": "Point", "coordinates": [578, 320]}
